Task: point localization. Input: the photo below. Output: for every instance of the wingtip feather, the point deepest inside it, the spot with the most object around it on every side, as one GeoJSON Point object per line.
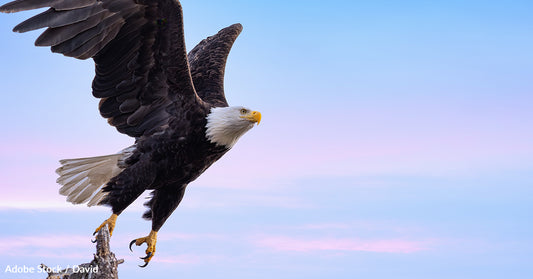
{"type": "Point", "coordinates": [25, 5]}
{"type": "Point", "coordinates": [237, 26]}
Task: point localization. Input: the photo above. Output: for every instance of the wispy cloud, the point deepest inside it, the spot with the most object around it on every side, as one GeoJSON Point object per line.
{"type": "Point", "coordinates": [191, 236]}
{"type": "Point", "coordinates": [44, 241]}
{"type": "Point", "coordinates": [285, 243]}
{"type": "Point", "coordinates": [189, 259]}
{"type": "Point", "coordinates": [369, 226]}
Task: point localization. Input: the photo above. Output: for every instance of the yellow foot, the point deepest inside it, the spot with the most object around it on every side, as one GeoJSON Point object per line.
{"type": "Point", "coordinates": [110, 224]}
{"type": "Point", "coordinates": [150, 241]}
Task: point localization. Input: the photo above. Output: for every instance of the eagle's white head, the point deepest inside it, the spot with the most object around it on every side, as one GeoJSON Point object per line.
{"type": "Point", "coordinates": [225, 125]}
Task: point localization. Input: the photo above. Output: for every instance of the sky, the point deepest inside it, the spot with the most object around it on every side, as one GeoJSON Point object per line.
{"type": "Point", "coordinates": [396, 142]}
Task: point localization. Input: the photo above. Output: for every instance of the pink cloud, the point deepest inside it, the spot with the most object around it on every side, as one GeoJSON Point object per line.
{"type": "Point", "coordinates": [189, 259]}
{"type": "Point", "coordinates": [326, 226]}
{"type": "Point", "coordinates": [190, 236]}
{"type": "Point", "coordinates": [284, 243]}
{"type": "Point", "coordinates": [60, 148]}
{"type": "Point", "coordinates": [66, 246]}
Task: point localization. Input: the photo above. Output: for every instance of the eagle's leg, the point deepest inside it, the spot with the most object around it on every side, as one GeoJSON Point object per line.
{"type": "Point", "coordinates": [164, 201]}
{"type": "Point", "coordinates": [110, 222]}
{"type": "Point", "coordinates": [150, 241]}
{"type": "Point", "coordinates": [124, 189]}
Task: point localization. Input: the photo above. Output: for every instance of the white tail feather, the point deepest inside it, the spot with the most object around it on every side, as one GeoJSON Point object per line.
{"type": "Point", "coordinates": [84, 178]}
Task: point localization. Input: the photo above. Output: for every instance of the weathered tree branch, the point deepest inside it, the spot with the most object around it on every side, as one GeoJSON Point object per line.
{"type": "Point", "coordinates": [103, 266]}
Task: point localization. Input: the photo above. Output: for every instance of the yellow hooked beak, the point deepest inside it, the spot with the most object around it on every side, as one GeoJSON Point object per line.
{"type": "Point", "coordinates": [253, 116]}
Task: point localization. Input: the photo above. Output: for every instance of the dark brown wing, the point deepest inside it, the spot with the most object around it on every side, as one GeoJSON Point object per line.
{"type": "Point", "coordinates": [208, 62]}
{"type": "Point", "coordinates": [138, 47]}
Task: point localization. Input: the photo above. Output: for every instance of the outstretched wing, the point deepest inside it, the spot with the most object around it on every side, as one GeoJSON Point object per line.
{"type": "Point", "coordinates": [208, 61]}
{"type": "Point", "coordinates": [142, 73]}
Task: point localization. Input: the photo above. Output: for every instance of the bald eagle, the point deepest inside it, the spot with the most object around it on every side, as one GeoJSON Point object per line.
{"type": "Point", "coordinates": [172, 103]}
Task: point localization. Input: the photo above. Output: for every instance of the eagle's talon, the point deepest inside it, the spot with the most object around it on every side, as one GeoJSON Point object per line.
{"type": "Point", "coordinates": [144, 265]}
{"type": "Point", "coordinates": [93, 240]}
{"type": "Point", "coordinates": [150, 241]}
{"type": "Point", "coordinates": [149, 255]}
{"type": "Point", "coordinates": [110, 222]}
{"type": "Point", "coordinates": [131, 243]}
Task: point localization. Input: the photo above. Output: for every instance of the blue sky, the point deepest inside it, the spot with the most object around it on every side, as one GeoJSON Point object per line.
{"type": "Point", "coordinates": [396, 142]}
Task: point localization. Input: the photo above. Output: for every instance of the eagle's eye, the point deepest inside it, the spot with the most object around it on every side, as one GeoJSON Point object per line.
{"type": "Point", "coordinates": [244, 111]}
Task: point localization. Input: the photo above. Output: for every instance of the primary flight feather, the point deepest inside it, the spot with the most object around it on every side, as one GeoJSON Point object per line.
{"type": "Point", "coordinates": [172, 103]}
